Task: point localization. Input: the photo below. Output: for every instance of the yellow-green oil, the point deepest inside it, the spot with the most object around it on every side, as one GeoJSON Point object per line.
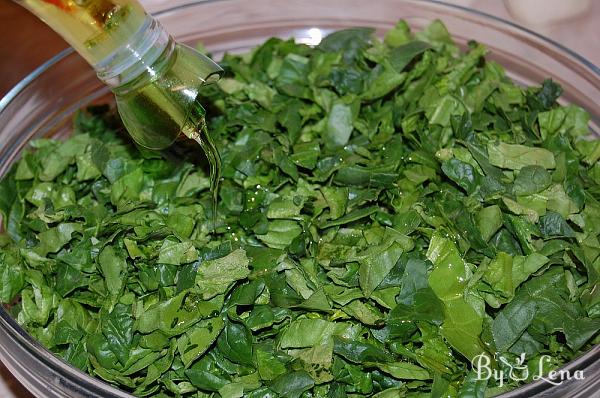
{"type": "Point", "coordinates": [153, 105]}
{"type": "Point", "coordinates": [93, 27]}
{"type": "Point", "coordinates": [214, 160]}
{"type": "Point", "coordinates": [161, 104]}
{"type": "Point", "coordinates": [158, 112]}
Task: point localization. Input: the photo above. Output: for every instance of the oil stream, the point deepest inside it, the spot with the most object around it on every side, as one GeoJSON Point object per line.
{"type": "Point", "coordinates": [162, 103]}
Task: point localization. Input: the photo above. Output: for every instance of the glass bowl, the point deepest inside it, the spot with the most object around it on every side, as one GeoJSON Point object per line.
{"type": "Point", "coordinates": [44, 102]}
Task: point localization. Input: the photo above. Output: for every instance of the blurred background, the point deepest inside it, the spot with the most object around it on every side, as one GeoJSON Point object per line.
{"type": "Point", "coordinates": [27, 42]}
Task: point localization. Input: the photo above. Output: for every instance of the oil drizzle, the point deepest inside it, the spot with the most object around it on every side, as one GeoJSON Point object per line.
{"type": "Point", "coordinates": [214, 160]}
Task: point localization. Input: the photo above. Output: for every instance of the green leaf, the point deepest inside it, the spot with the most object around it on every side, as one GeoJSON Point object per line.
{"type": "Point", "coordinates": [531, 179]}
{"type": "Point", "coordinates": [540, 305]}
{"type": "Point", "coordinates": [310, 332]}
{"type": "Point", "coordinates": [462, 324]}
{"type": "Point", "coordinates": [193, 343]}
{"type": "Point", "coordinates": [235, 343]}
{"type": "Point", "coordinates": [216, 276]}
{"type": "Point", "coordinates": [113, 266]}
{"type": "Point", "coordinates": [269, 367]}
{"type": "Point", "coordinates": [117, 328]}
{"type": "Point", "coordinates": [515, 157]}
{"type": "Point", "coordinates": [380, 177]}
{"type": "Point", "coordinates": [172, 317]}
{"type": "Point", "coordinates": [510, 324]}
{"type": "Point", "coordinates": [339, 125]}
{"type": "Point", "coordinates": [489, 221]}
{"type": "Point", "coordinates": [175, 253]}
{"type": "Point", "coordinates": [463, 174]}
{"type": "Point", "coordinates": [401, 56]}
{"type": "Point", "coordinates": [52, 240]}
{"type": "Point", "coordinates": [205, 380]}
{"type": "Point", "coordinates": [366, 314]}
{"type": "Point", "coordinates": [349, 41]}
{"type": "Point", "coordinates": [280, 234]}
{"type": "Point", "coordinates": [375, 267]}
{"type": "Point", "coordinates": [404, 370]}
{"type": "Point", "coordinates": [570, 120]}
{"type": "Point", "coordinates": [12, 277]}
{"type": "Point", "coordinates": [359, 352]}
{"type": "Point", "coordinates": [350, 217]}
{"type": "Point", "coordinates": [127, 188]}
{"type": "Point", "coordinates": [293, 384]}
{"type": "Point", "coordinates": [425, 306]}
{"type": "Point", "coordinates": [553, 225]}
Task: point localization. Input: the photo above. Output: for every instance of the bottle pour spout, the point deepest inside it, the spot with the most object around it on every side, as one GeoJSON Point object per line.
{"type": "Point", "coordinates": [156, 81]}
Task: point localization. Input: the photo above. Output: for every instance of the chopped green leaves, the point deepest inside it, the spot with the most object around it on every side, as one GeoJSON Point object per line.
{"type": "Point", "coordinates": [388, 211]}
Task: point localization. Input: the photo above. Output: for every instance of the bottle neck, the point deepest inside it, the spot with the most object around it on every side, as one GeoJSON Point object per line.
{"type": "Point", "coordinates": [139, 55]}
{"type": "Point", "coordinates": [94, 28]}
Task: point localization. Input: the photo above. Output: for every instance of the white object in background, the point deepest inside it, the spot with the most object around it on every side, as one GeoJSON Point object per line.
{"type": "Point", "coordinates": [546, 12]}
{"type": "Point", "coordinates": [10, 387]}
{"type": "Point", "coordinates": [464, 3]}
{"type": "Point", "coordinates": [157, 5]}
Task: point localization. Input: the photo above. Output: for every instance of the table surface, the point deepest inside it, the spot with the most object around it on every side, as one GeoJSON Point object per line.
{"type": "Point", "coordinates": [37, 43]}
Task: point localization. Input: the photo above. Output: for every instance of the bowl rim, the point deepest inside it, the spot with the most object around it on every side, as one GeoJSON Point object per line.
{"type": "Point", "coordinates": [586, 359]}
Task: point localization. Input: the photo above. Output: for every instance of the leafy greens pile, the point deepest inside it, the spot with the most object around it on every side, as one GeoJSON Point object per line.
{"type": "Point", "coordinates": [389, 210]}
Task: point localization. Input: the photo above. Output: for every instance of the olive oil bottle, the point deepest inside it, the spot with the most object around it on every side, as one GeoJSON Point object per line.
{"type": "Point", "coordinates": [156, 81]}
